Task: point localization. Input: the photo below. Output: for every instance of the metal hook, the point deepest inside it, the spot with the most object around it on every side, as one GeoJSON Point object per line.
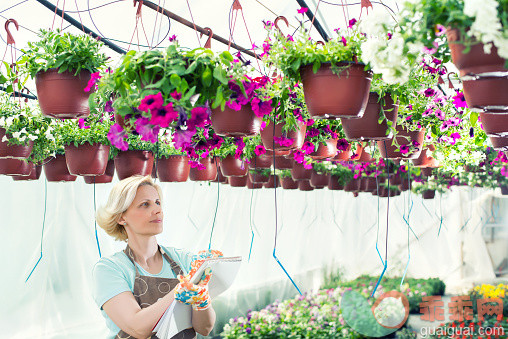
{"type": "Point", "coordinates": [10, 38]}
{"type": "Point", "coordinates": [140, 5]}
{"type": "Point", "coordinates": [320, 43]}
{"type": "Point", "coordinates": [275, 23]}
{"type": "Point", "coordinates": [208, 43]}
{"type": "Point", "coordinates": [237, 5]}
{"type": "Point", "coordinates": [450, 84]}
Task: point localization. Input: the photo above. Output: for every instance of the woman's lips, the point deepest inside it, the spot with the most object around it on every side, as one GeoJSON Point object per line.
{"type": "Point", "coordinates": [157, 221]}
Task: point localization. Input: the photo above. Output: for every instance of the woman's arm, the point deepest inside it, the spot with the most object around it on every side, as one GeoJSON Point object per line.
{"type": "Point", "coordinates": [203, 321]}
{"type": "Point", "coordinates": [126, 313]}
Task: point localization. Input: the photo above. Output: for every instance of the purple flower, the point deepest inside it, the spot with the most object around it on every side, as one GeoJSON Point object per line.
{"type": "Point", "coordinates": [199, 117]}
{"type": "Point", "coordinates": [352, 22]}
{"type": "Point", "coordinates": [151, 102]}
{"type": "Point", "coordinates": [176, 95]}
{"type": "Point", "coordinates": [81, 124]}
{"type": "Point", "coordinates": [439, 114]}
{"type": "Point", "coordinates": [259, 150]}
{"type": "Point", "coordinates": [344, 41]}
{"type": "Point", "coordinates": [308, 147]}
{"type": "Point", "coordinates": [163, 116]}
{"type": "Point", "coordinates": [172, 38]}
{"type": "Point", "coordinates": [440, 30]}
{"type": "Point", "coordinates": [427, 112]}
{"type": "Point", "coordinates": [234, 105]}
{"type": "Point", "coordinates": [429, 92]}
{"type": "Point", "coordinates": [93, 80]}
{"type": "Point", "coordinates": [389, 35]}
{"type": "Point", "coordinates": [290, 37]}
{"type": "Point", "coordinates": [459, 101]}
{"type": "Point", "coordinates": [336, 30]}
{"type": "Point", "coordinates": [307, 165]}
{"type": "Point", "coordinates": [267, 24]}
{"type": "Point", "coordinates": [303, 10]}
{"type": "Point", "coordinates": [263, 125]}
{"type": "Point", "coordinates": [404, 149]}
{"type": "Point", "coordinates": [342, 144]}
{"type": "Point", "coordinates": [109, 106]}
{"type": "Point", "coordinates": [455, 136]}
{"type": "Point", "coordinates": [117, 136]}
{"type": "Point", "coordinates": [261, 108]}
{"type": "Point", "coordinates": [283, 141]}
{"type": "Point", "coordinates": [240, 147]}
{"type": "Point", "coordinates": [248, 330]}
{"type": "Point", "coordinates": [444, 126]}
{"type": "Point", "coordinates": [312, 132]}
{"type": "Point", "coordinates": [147, 131]}
{"type": "Point", "coordinates": [471, 132]}
{"type": "Point", "coordinates": [182, 138]}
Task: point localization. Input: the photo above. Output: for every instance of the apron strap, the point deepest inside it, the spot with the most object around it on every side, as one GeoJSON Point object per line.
{"type": "Point", "coordinates": [174, 266]}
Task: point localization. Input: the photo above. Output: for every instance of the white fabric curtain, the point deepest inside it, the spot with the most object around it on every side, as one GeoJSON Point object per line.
{"type": "Point", "coordinates": [317, 231]}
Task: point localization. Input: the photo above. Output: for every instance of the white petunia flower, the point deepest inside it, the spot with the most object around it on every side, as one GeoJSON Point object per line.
{"type": "Point", "coordinates": [9, 121]}
{"type": "Point", "coordinates": [16, 135]}
{"type": "Point", "coordinates": [5, 139]}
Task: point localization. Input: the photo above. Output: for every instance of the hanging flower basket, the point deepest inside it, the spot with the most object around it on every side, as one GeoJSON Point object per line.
{"type": "Point", "coordinates": [86, 159]}
{"type": "Point", "coordinates": [369, 184]}
{"type": "Point", "coordinates": [334, 184]}
{"type": "Point", "coordinates": [231, 123]}
{"type": "Point", "coordinates": [427, 171]}
{"type": "Point", "coordinates": [18, 167]}
{"type": "Point", "coordinates": [282, 162]}
{"type": "Point", "coordinates": [423, 160]}
{"type": "Point", "coordinates": [232, 167]}
{"type": "Point", "coordinates": [62, 95]}
{"type": "Point", "coordinates": [299, 172]}
{"type": "Point", "coordinates": [405, 185]}
{"type": "Point", "coordinates": [257, 177]}
{"type": "Point", "coordinates": [499, 143]}
{"type": "Point", "coordinates": [271, 181]}
{"type": "Point", "coordinates": [56, 169]}
{"type": "Point", "coordinates": [395, 179]}
{"type": "Point", "coordinates": [352, 186]}
{"type": "Point", "coordinates": [209, 173]}
{"type": "Point", "coordinates": [327, 150]}
{"type": "Point", "coordinates": [222, 179]}
{"type": "Point", "coordinates": [368, 127]}
{"type": "Point", "coordinates": [260, 161]}
{"type": "Point", "coordinates": [329, 95]}
{"type": "Point", "coordinates": [35, 174]}
{"type": "Point", "coordinates": [429, 194]}
{"type": "Point", "coordinates": [251, 185]}
{"type": "Point", "coordinates": [304, 185]}
{"type": "Point", "coordinates": [14, 151]}
{"type": "Point", "coordinates": [494, 125]}
{"type": "Point", "coordinates": [135, 162]}
{"type": "Point", "coordinates": [288, 183]}
{"type": "Point", "coordinates": [174, 168]}
{"type": "Point", "coordinates": [486, 92]}
{"type": "Point", "coordinates": [272, 135]}
{"type": "Point", "coordinates": [405, 139]}
{"type": "Point", "coordinates": [343, 155]}
{"type": "Point", "coordinates": [504, 190]}
{"type": "Point", "coordinates": [238, 181]}
{"type": "Point", "coordinates": [319, 179]}
{"type": "Point", "coordinates": [106, 178]}
{"type": "Point", "coordinates": [475, 60]}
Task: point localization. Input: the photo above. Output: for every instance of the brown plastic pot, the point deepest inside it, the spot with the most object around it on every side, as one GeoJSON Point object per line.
{"type": "Point", "coordinates": [427, 171]}
{"type": "Point", "coordinates": [389, 151]}
{"type": "Point", "coordinates": [261, 161]}
{"type": "Point", "coordinates": [271, 131]}
{"type": "Point", "coordinates": [35, 174]}
{"type": "Point", "coordinates": [238, 181]}
{"type": "Point", "coordinates": [129, 163]}
{"type": "Point", "coordinates": [504, 190]}
{"type": "Point", "coordinates": [423, 160]}
{"type": "Point", "coordinates": [343, 155]}
{"type": "Point", "coordinates": [304, 185]}
{"type": "Point", "coordinates": [87, 159]}
{"type": "Point", "coordinates": [233, 123]}
{"type": "Point", "coordinates": [405, 185]}
{"type": "Point", "coordinates": [495, 124]}
{"type": "Point", "coordinates": [17, 167]}
{"type": "Point", "coordinates": [14, 151]}
{"type": "Point", "coordinates": [429, 194]}
{"type": "Point", "coordinates": [329, 95]}
{"type": "Point", "coordinates": [271, 182]}
{"type": "Point", "coordinates": [369, 184]}
{"type": "Point", "coordinates": [365, 157]}
{"type": "Point", "coordinates": [486, 92]}
{"type": "Point", "coordinates": [318, 179]}
{"type": "Point", "coordinates": [499, 143]}
{"type": "Point", "coordinates": [281, 162]}
{"type": "Point", "coordinates": [106, 178]}
{"type": "Point", "coordinates": [475, 60]}
{"type": "Point", "coordinates": [174, 168]}
{"type": "Point", "coordinates": [333, 183]}
{"type": "Point", "coordinates": [288, 183]}
{"type": "Point", "coordinates": [232, 167]}
{"type": "Point", "coordinates": [327, 150]}
{"type": "Point", "coordinates": [62, 95]}
{"type": "Point", "coordinates": [222, 179]}
{"type": "Point", "coordinates": [395, 179]}
{"type": "Point", "coordinates": [368, 127]}
{"type": "Point", "coordinates": [258, 177]}
{"type": "Point", "coordinates": [56, 170]}
{"type": "Point", "coordinates": [209, 173]}
{"type": "Point", "coordinates": [278, 153]}
{"type": "Point", "coordinates": [298, 172]}
{"type": "Point", "coordinates": [352, 186]}
{"type": "Point", "coordinates": [383, 192]}
{"type": "Point", "coordinates": [251, 185]}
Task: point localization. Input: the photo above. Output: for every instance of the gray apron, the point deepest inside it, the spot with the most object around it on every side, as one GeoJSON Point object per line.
{"type": "Point", "coordinates": [147, 290]}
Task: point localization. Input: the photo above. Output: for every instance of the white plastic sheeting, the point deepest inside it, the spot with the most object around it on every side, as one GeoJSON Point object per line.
{"type": "Point", "coordinates": [317, 230]}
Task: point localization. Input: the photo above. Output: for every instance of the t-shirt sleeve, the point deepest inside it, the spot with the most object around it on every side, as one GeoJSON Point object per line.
{"type": "Point", "coordinates": [108, 281]}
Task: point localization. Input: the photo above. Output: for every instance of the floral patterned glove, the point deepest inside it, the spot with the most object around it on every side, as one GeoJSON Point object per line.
{"type": "Point", "coordinates": [197, 260]}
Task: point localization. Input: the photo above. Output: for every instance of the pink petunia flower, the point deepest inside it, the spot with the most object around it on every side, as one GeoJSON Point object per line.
{"type": "Point", "coordinates": [153, 101]}
{"type": "Point", "coordinates": [352, 22]}
{"type": "Point", "coordinates": [94, 78]}
{"type": "Point", "coordinates": [81, 124]}
{"type": "Point", "coordinates": [303, 10]}
{"type": "Point", "coordinates": [259, 150]}
{"type": "Point", "coordinates": [459, 100]}
{"type": "Point", "coordinates": [117, 136]}
{"type": "Point", "coordinates": [146, 130]}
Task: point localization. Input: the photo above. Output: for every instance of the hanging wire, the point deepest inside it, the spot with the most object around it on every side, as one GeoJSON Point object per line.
{"type": "Point", "coordinates": [43, 224]}
{"type": "Point", "coordinates": [250, 218]}
{"type": "Point", "coordinates": [378, 198]}
{"type": "Point", "coordinates": [95, 221]}
{"type": "Point", "coordinates": [216, 206]}
{"type": "Point", "coordinates": [470, 209]}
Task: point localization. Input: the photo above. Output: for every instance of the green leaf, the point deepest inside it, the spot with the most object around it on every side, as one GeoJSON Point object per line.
{"type": "Point", "coordinates": [473, 118]}
{"type": "Point", "coordinates": [220, 74]}
{"type": "Point", "coordinates": [206, 77]}
{"type": "Point", "coordinates": [175, 80]}
{"type": "Point", "coordinates": [316, 66]}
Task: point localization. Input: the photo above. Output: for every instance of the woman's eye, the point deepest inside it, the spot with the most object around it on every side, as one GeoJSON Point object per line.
{"type": "Point", "coordinates": [144, 204]}
{"type": "Point", "coordinates": [158, 203]}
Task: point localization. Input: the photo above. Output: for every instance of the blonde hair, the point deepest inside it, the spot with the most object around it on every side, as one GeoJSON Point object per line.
{"type": "Point", "coordinates": [120, 198]}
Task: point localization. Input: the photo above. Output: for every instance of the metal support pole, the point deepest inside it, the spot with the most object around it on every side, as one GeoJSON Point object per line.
{"type": "Point", "coordinates": [315, 21]}
{"type": "Point", "coordinates": [18, 94]}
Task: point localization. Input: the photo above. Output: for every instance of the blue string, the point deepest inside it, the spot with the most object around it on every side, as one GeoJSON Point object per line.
{"type": "Point", "coordinates": [216, 206]}
{"type": "Point", "coordinates": [441, 210]}
{"type": "Point", "coordinates": [43, 223]}
{"type": "Point", "coordinates": [95, 221]}
{"type": "Point", "coordinates": [250, 220]}
{"type": "Point", "coordinates": [470, 210]}
{"type": "Point", "coordinates": [377, 232]}
{"type": "Point", "coordinates": [408, 225]}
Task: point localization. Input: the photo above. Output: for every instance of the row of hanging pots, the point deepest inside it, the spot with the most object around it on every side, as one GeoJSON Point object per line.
{"type": "Point", "coordinates": [14, 151]}
{"type": "Point", "coordinates": [403, 138]}
{"type": "Point", "coordinates": [484, 75]}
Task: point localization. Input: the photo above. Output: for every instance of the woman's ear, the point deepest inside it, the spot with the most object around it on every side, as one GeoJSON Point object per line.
{"type": "Point", "coordinates": [121, 220]}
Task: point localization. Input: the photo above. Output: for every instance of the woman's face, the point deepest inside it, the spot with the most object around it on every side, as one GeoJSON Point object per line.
{"type": "Point", "coordinates": [144, 216]}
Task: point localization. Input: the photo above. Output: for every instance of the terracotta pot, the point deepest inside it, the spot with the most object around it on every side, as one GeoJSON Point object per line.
{"type": "Point", "coordinates": [237, 181]}
{"type": "Point", "coordinates": [271, 181]}
{"type": "Point", "coordinates": [250, 185]}
{"type": "Point", "coordinates": [368, 126]}
{"type": "Point", "coordinates": [87, 159]}
{"type": "Point", "coordinates": [389, 151]}
{"type": "Point", "coordinates": [476, 60]}
{"type": "Point", "coordinates": [395, 180]}
{"type": "Point", "coordinates": [304, 185]}
{"type": "Point", "coordinates": [35, 174]}
{"type": "Point", "coordinates": [427, 171]}
{"type": "Point", "coordinates": [271, 131]}
{"type": "Point", "coordinates": [495, 124]}
{"type": "Point", "coordinates": [430, 194]}
{"type": "Point", "coordinates": [423, 160]}
{"type": "Point", "coordinates": [504, 190]}
{"type": "Point", "coordinates": [365, 157]}
{"type": "Point", "coordinates": [298, 172]}
{"type": "Point", "coordinates": [288, 183]}
{"type": "Point", "coordinates": [328, 150]}
{"type": "Point", "coordinates": [352, 186]}
{"type": "Point", "coordinates": [319, 180]}
{"type": "Point", "coordinates": [405, 185]}
{"type": "Point", "coordinates": [369, 184]}
{"type": "Point", "coordinates": [499, 143]}
{"type": "Point", "coordinates": [343, 155]}
{"type": "Point", "coordinates": [62, 95]}
{"type": "Point", "coordinates": [209, 173]}
{"type": "Point", "coordinates": [129, 163]}
{"type": "Point", "coordinates": [14, 151]}
{"type": "Point", "coordinates": [17, 167]}
{"type": "Point", "coordinates": [330, 95]}
{"type": "Point", "coordinates": [232, 167]}
{"type": "Point", "coordinates": [233, 123]}
{"type": "Point", "coordinates": [175, 168]}
{"type": "Point", "coordinates": [383, 192]}
{"type": "Point", "coordinates": [282, 162]}
{"type": "Point", "coordinates": [261, 161]}
{"type": "Point", "coordinates": [278, 153]}
{"type": "Point", "coordinates": [333, 183]}
{"type": "Point", "coordinates": [486, 92]}
{"type": "Point", "coordinates": [222, 179]}
{"type": "Point", "coordinates": [258, 177]}
{"type": "Point", "coordinates": [106, 178]}
{"type": "Point", "coordinates": [56, 170]}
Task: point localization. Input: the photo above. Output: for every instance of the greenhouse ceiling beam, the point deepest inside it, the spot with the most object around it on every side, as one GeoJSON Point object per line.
{"type": "Point", "coordinates": [80, 26]}
{"type": "Point", "coordinates": [189, 24]}
{"type": "Point", "coordinates": [19, 94]}
{"type": "Point", "coordinates": [314, 20]}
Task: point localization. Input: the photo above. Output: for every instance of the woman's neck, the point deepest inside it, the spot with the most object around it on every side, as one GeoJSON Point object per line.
{"type": "Point", "coordinates": [145, 250]}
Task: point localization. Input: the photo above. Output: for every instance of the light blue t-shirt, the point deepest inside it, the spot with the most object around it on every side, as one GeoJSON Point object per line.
{"type": "Point", "coordinates": [115, 274]}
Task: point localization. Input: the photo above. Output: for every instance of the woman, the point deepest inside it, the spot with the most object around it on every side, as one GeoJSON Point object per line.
{"type": "Point", "coordinates": [134, 287]}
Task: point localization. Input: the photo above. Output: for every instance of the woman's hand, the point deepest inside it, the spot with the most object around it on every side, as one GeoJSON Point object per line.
{"type": "Point", "coordinates": [198, 260]}
{"type": "Point", "coordinates": [195, 295]}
